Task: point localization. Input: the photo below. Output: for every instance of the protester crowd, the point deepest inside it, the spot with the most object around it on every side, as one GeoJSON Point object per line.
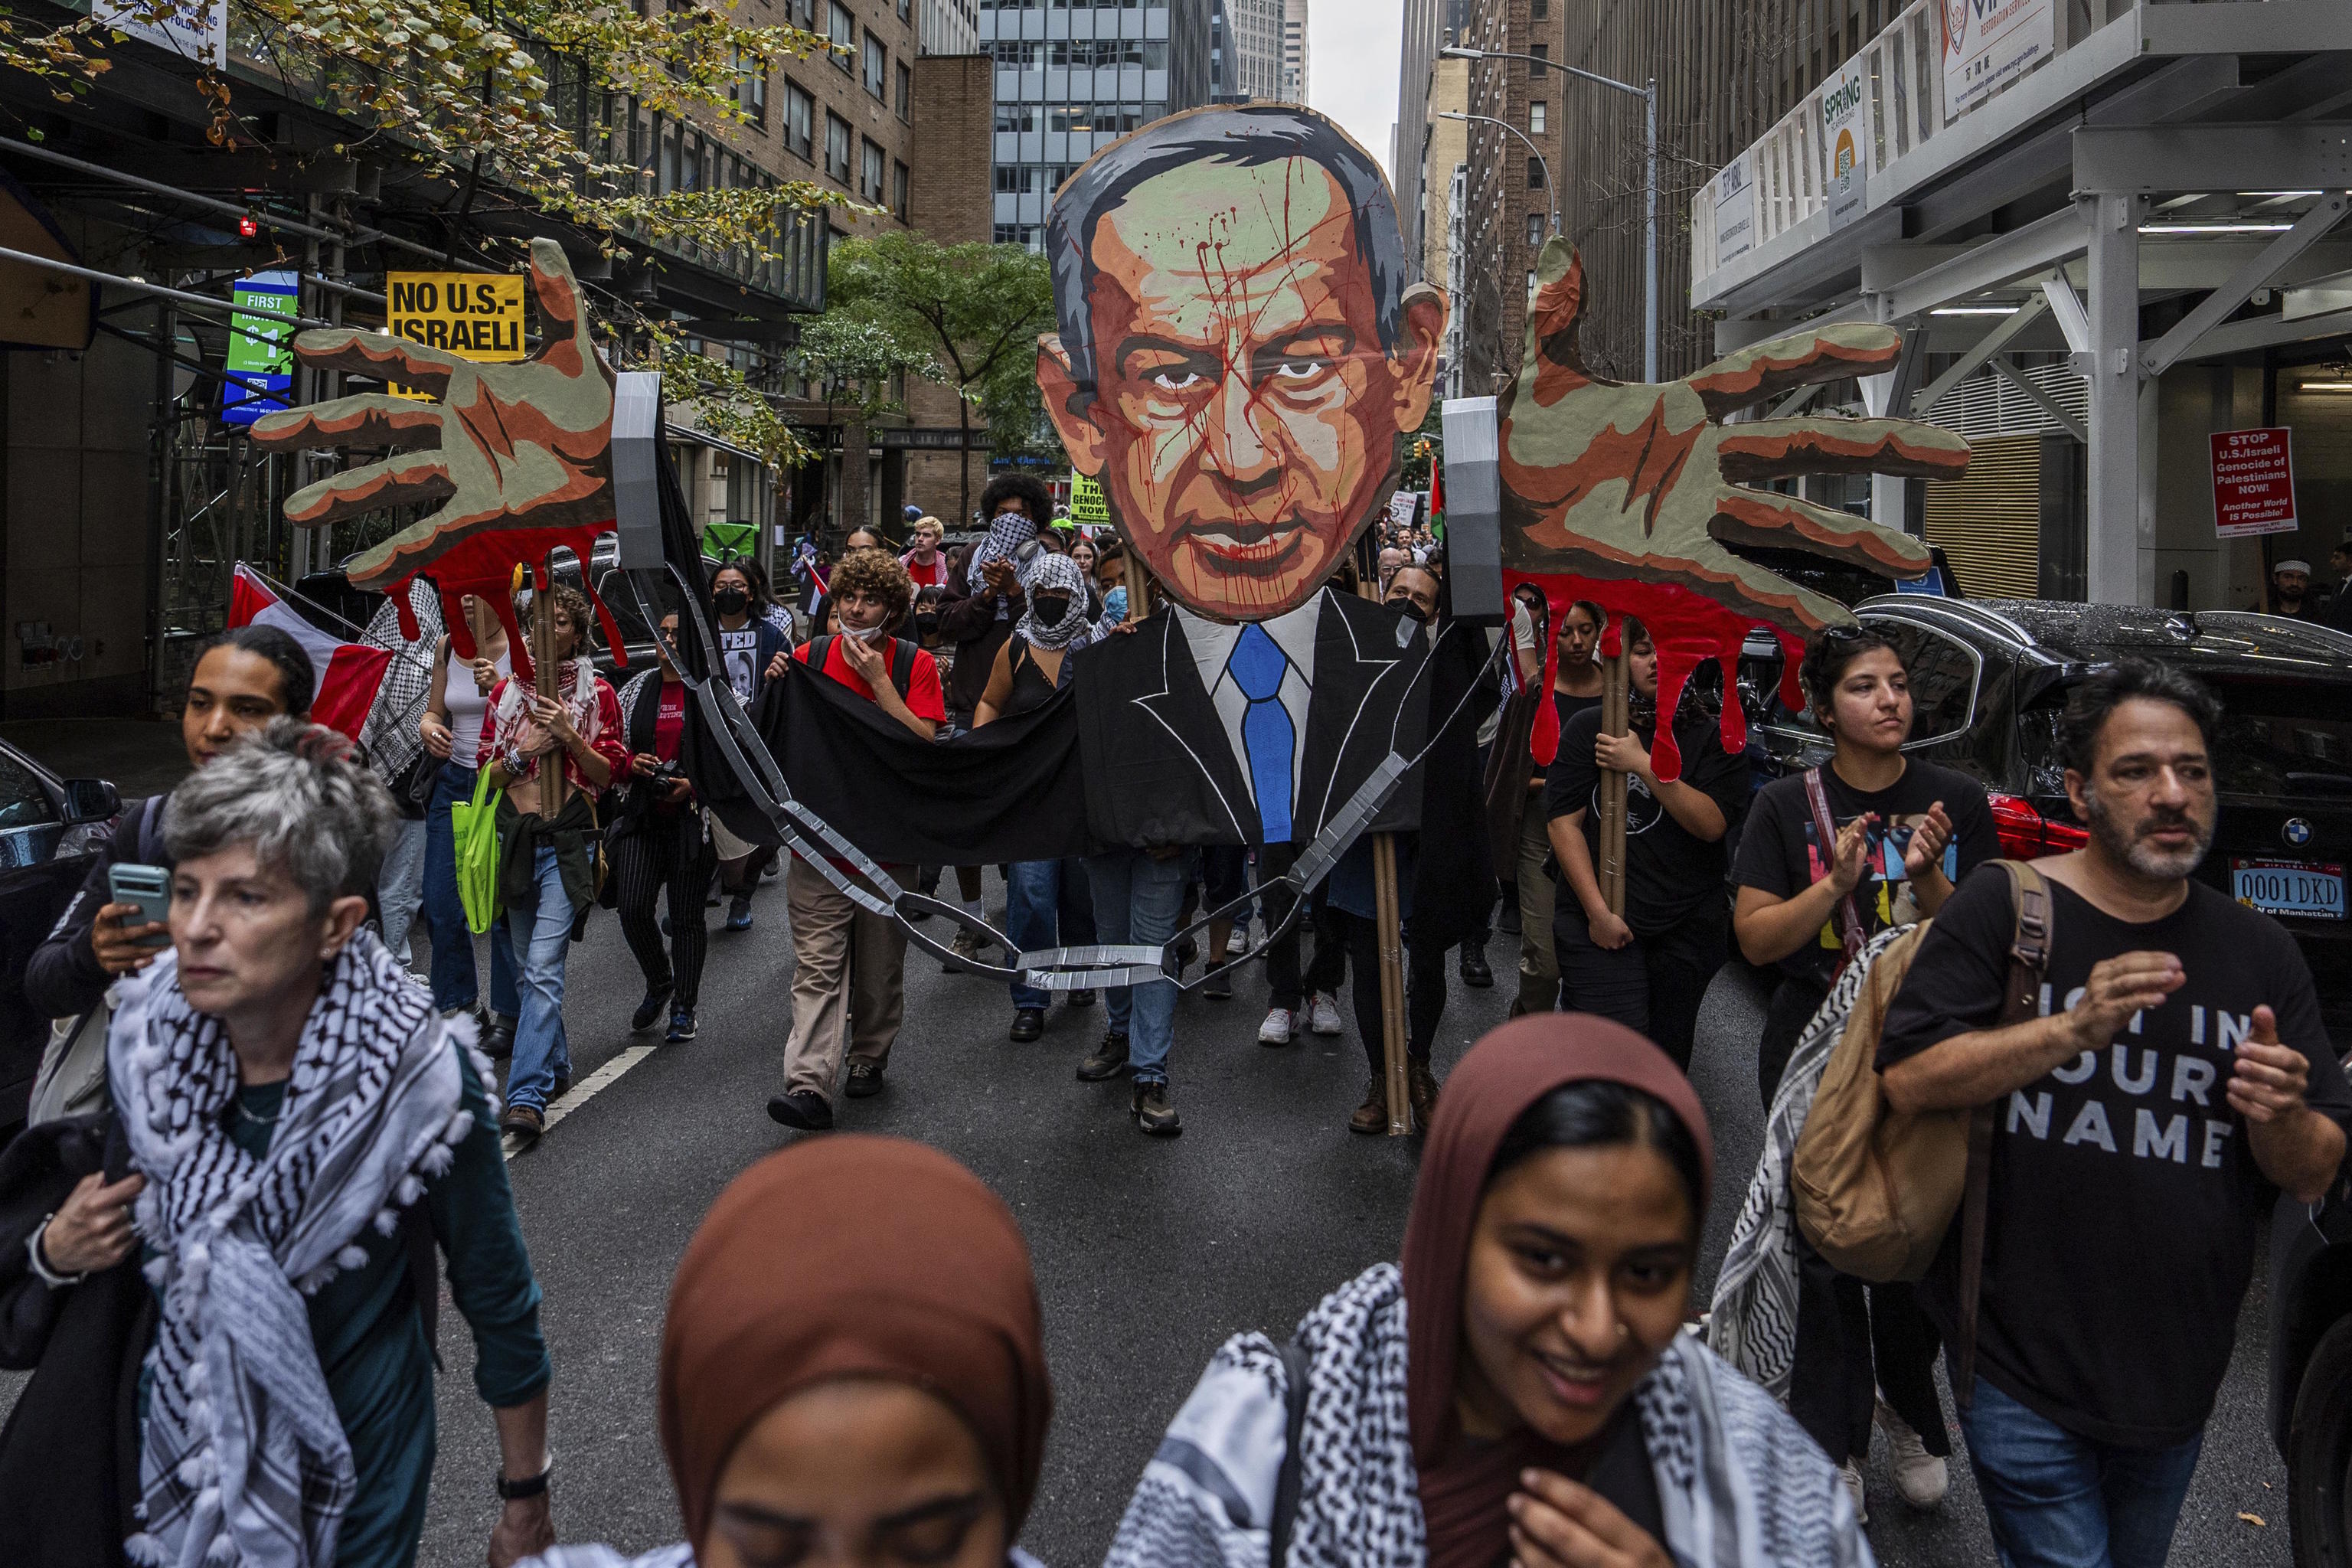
{"type": "Point", "coordinates": [224, 1276]}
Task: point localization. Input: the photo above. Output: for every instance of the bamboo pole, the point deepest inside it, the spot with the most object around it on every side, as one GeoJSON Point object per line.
{"type": "Point", "coordinates": [1613, 721]}
{"type": "Point", "coordinates": [547, 679]}
{"type": "Point", "coordinates": [1393, 1022]}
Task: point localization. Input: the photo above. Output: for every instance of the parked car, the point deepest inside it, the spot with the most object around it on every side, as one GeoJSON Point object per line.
{"type": "Point", "coordinates": [50, 828]}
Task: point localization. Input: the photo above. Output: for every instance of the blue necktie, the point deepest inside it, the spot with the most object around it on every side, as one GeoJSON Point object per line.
{"type": "Point", "coordinates": [1257, 667]}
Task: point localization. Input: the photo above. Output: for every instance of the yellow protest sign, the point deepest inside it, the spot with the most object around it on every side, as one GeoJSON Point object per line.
{"type": "Point", "coordinates": [1087, 508]}
{"type": "Point", "coordinates": [473, 315]}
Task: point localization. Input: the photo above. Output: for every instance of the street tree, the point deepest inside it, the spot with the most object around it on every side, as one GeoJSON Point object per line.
{"type": "Point", "coordinates": [975, 311]}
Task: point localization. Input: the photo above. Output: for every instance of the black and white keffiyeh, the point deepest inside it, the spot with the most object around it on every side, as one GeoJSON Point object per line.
{"type": "Point", "coordinates": [1007, 532]}
{"type": "Point", "coordinates": [1739, 1484]}
{"type": "Point", "coordinates": [1752, 1322]}
{"type": "Point", "coordinates": [242, 1456]}
{"type": "Point", "coordinates": [1046, 571]}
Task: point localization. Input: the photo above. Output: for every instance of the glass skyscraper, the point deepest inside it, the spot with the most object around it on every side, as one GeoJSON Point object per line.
{"type": "Point", "coordinates": [1075, 75]}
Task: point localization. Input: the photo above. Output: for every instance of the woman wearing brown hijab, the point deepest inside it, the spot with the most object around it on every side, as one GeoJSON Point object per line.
{"type": "Point", "coordinates": [841, 1384]}
{"type": "Point", "coordinates": [1521, 1388]}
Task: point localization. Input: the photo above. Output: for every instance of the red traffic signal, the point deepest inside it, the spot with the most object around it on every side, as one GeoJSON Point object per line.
{"type": "Point", "coordinates": [247, 227]}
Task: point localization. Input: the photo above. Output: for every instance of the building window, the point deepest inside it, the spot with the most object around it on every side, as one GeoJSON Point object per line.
{"type": "Point", "coordinates": [800, 118]}
{"type": "Point", "coordinates": [874, 166]}
{"type": "Point", "coordinates": [876, 70]}
{"type": "Point", "coordinates": [900, 183]}
{"type": "Point", "coordinates": [1542, 52]}
{"type": "Point", "coordinates": [1012, 179]}
{"type": "Point", "coordinates": [905, 92]}
{"type": "Point", "coordinates": [836, 147]}
{"type": "Point", "coordinates": [1536, 116]}
{"type": "Point", "coordinates": [1535, 230]}
{"type": "Point", "coordinates": [1535, 174]}
{"type": "Point", "coordinates": [905, 10]}
{"type": "Point", "coordinates": [1538, 9]}
{"type": "Point", "coordinates": [841, 29]}
{"type": "Point", "coordinates": [751, 88]}
{"type": "Point", "coordinates": [1016, 117]}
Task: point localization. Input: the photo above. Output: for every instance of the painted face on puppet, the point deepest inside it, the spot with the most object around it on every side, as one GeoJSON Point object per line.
{"type": "Point", "coordinates": [1245, 410]}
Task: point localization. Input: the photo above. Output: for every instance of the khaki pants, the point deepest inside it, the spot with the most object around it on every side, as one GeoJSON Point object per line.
{"type": "Point", "coordinates": [1539, 965]}
{"type": "Point", "coordinates": [849, 978]}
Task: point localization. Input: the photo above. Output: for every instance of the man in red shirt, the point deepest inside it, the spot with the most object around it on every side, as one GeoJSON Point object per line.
{"type": "Point", "coordinates": [848, 958]}
{"type": "Point", "coordinates": [924, 564]}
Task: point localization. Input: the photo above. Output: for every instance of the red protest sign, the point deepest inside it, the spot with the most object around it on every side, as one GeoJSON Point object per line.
{"type": "Point", "coordinates": [2253, 483]}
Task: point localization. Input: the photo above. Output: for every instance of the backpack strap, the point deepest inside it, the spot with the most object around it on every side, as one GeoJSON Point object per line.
{"type": "Point", "coordinates": [1285, 1483]}
{"type": "Point", "coordinates": [902, 664]}
{"type": "Point", "coordinates": [2028, 960]}
{"type": "Point", "coordinates": [1825, 836]}
{"type": "Point", "coordinates": [150, 831]}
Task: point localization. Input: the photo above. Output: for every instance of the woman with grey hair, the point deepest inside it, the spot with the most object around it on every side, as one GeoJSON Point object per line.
{"type": "Point", "coordinates": [309, 1129]}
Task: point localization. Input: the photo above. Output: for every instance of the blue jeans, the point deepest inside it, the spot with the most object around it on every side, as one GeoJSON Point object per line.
{"type": "Point", "coordinates": [2055, 1500]}
{"type": "Point", "coordinates": [544, 935]}
{"type": "Point", "coordinates": [1138, 900]}
{"type": "Point", "coordinates": [454, 982]}
{"type": "Point", "coordinates": [1045, 905]}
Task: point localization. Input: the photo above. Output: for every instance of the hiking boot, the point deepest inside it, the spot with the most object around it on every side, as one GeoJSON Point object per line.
{"type": "Point", "coordinates": [1154, 1109]}
{"type": "Point", "coordinates": [1109, 1060]}
{"type": "Point", "coordinates": [1372, 1116]}
{"type": "Point", "coordinates": [1474, 972]}
{"type": "Point", "coordinates": [805, 1109]}
{"type": "Point", "coordinates": [962, 952]}
{"type": "Point", "coordinates": [1028, 1022]}
{"type": "Point", "coordinates": [1420, 1092]}
{"type": "Point", "coordinates": [1850, 1474]}
{"type": "Point", "coordinates": [1275, 1030]}
{"type": "Point", "coordinates": [864, 1080]}
{"type": "Point", "coordinates": [523, 1121]}
{"type": "Point", "coordinates": [1919, 1476]}
{"type": "Point", "coordinates": [739, 912]}
{"type": "Point", "coordinates": [1322, 1014]}
{"type": "Point", "coordinates": [681, 1026]}
{"type": "Point", "coordinates": [649, 1009]}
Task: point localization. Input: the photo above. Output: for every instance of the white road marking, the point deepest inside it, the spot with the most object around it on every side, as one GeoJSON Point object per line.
{"type": "Point", "coordinates": [580, 1093]}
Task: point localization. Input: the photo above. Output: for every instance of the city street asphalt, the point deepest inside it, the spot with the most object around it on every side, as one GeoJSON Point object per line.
{"type": "Point", "coordinates": [1149, 1252]}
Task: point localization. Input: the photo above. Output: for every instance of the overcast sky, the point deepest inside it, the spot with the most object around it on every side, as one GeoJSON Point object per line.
{"type": "Point", "coordinates": [1351, 66]}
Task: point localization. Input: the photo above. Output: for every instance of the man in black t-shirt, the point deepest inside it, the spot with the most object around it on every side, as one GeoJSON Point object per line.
{"type": "Point", "coordinates": [1648, 969]}
{"type": "Point", "coordinates": [2178, 1078]}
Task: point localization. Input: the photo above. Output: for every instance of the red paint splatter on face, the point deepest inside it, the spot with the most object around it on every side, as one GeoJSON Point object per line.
{"type": "Point", "coordinates": [1686, 628]}
{"type": "Point", "coordinates": [484, 566]}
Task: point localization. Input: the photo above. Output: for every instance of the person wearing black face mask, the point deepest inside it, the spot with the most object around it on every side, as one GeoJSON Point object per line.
{"type": "Point", "coordinates": [751, 650]}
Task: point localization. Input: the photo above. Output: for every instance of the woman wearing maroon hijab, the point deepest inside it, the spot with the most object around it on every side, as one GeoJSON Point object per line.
{"type": "Point", "coordinates": [846, 1384]}
{"type": "Point", "coordinates": [1521, 1388]}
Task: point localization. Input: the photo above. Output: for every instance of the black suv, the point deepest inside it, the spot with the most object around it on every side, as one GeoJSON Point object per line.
{"type": "Point", "coordinates": [1989, 677]}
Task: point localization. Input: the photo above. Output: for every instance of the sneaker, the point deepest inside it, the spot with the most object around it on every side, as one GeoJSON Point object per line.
{"type": "Point", "coordinates": [681, 1026]}
{"type": "Point", "coordinates": [649, 1009]}
{"type": "Point", "coordinates": [1219, 987]}
{"type": "Point", "coordinates": [1239, 942]}
{"type": "Point", "coordinates": [1851, 1473]}
{"type": "Point", "coordinates": [526, 1121]}
{"type": "Point", "coordinates": [1474, 972]}
{"type": "Point", "coordinates": [1372, 1116]}
{"type": "Point", "coordinates": [1082, 999]}
{"type": "Point", "coordinates": [1154, 1109]}
{"type": "Point", "coordinates": [1110, 1059]}
{"type": "Point", "coordinates": [964, 950]}
{"type": "Point", "coordinates": [805, 1109]}
{"type": "Point", "coordinates": [739, 912]}
{"type": "Point", "coordinates": [1322, 1014]}
{"type": "Point", "coordinates": [497, 1040]}
{"type": "Point", "coordinates": [1421, 1093]}
{"type": "Point", "coordinates": [864, 1080]}
{"type": "Point", "coordinates": [1028, 1022]}
{"type": "Point", "coordinates": [1275, 1030]}
{"type": "Point", "coordinates": [1919, 1476]}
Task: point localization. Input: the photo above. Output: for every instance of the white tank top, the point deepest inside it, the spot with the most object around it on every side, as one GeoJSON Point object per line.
{"type": "Point", "coordinates": [466, 703]}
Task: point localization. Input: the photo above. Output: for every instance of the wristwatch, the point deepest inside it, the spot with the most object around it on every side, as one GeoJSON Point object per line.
{"type": "Point", "coordinates": [534, 1486]}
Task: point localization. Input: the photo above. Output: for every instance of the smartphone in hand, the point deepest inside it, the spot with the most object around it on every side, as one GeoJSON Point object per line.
{"type": "Point", "coordinates": [147, 887]}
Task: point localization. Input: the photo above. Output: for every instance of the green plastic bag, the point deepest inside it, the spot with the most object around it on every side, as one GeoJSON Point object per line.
{"type": "Point", "coordinates": [475, 827]}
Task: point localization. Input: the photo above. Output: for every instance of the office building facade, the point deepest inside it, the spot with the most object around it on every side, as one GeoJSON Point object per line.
{"type": "Point", "coordinates": [1294, 51]}
{"type": "Point", "coordinates": [948, 27]}
{"type": "Point", "coordinates": [1072, 78]}
{"type": "Point", "coordinates": [1244, 51]}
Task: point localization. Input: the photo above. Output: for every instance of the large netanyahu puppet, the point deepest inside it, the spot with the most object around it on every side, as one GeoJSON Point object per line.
{"type": "Point", "coordinates": [517, 456]}
{"type": "Point", "coordinates": [1631, 494]}
{"type": "Point", "coordinates": [1238, 351]}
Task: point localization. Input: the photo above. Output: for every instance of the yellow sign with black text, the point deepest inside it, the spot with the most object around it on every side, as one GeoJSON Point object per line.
{"type": "Point", "coordinates": [473, 315]}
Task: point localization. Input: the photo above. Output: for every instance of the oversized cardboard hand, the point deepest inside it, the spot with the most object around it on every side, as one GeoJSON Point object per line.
{"type": "Point", "coordinates": [1628, 494]}
{"type": "Point", "coordinates": [519, 454]}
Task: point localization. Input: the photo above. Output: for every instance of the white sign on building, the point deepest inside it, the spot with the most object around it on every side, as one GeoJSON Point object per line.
{"type": "Point", "coordinates": [1735, 208]}
{"type": "Point", "coordinates": [1990, 43]}
{"type": "Point", "coordinates": [1845, 137]}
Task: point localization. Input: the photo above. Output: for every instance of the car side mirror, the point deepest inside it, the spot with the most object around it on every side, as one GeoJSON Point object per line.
{"type": "Point", "coordinates": [91, 800]}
